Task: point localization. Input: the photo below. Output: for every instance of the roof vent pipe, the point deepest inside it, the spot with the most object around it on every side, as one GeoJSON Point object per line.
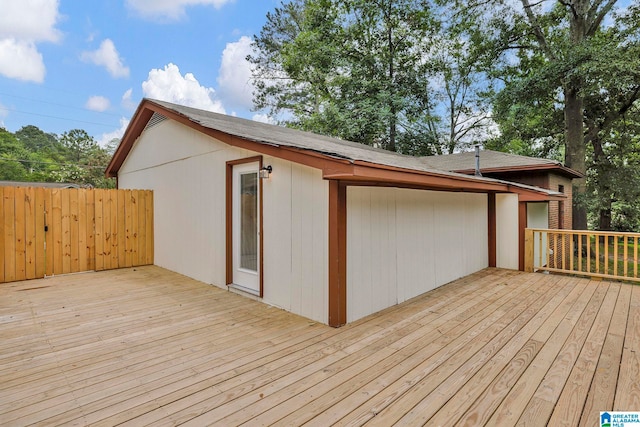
{"type": "Point", "coordinates": [478, 161]}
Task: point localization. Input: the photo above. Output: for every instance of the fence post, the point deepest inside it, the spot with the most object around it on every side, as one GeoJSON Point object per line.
{"type": "Point", "coordinates": [528, 250]}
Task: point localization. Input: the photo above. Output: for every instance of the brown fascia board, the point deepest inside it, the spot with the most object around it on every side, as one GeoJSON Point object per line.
{"type": "Point", "coordinates": [147, 108]}
{"type": "Point", "coordinates": [332, 167]}
{"type": "Point", "coordinates": [134, 130]}
{"type": "Point", "coordinates": [374, 174]}
{"type": "Point", "coordinates": [568, 172]}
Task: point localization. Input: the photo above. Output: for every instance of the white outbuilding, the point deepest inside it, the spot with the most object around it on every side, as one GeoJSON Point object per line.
{"type": "Point", "coordinates": [328, 229]}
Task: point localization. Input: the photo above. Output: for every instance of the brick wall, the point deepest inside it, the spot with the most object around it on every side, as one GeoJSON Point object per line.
{"type": "Point", "coordinates": [560, 218]}
{"type": "Point", "coordinates": [555, 181]}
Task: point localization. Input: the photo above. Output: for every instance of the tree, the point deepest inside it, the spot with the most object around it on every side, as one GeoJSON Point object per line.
{"type": "Point", "coordinates": [85, 160]}
{"type": "Point", "coordinates": [460, 87]}
{"type": "Point", "coordinates": [353, 69]}
{"type": "Point", "coordinates": [78, 145]}
{"type": "Point", "coordinates": [12, 157]}
{"type": "Point", "coordinates": [35, 139]}
{"type": "Point", "coordinates": [559, 54]}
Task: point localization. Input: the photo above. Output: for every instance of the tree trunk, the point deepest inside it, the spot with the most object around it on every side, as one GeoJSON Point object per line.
{"type": "Point", "coordinates": [575, 152]}
{"type": "Point", "coordinates": [604, 222]}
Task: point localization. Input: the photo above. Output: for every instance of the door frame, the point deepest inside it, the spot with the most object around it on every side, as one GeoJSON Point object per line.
{"type": "Point", "coordinates": [229, 221]}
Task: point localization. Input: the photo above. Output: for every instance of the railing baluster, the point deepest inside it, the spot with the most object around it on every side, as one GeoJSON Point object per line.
{"type": "Point", "coordinates": [580, 267]}
{"type": "Point", "coordinates": [589, 266]}
{"type": "Point", "coordinates": [606, 254]}
{"type": "Point", "coordinates": [635, 257]}
{"type": "Point", "coordinates": [571, 251]}
{"type": "Point", "coordinates": [541, 248]}
{"type": "Point", "coordinates": [548, 251]}
{"type": "Point", "coordinates": [615, 255]}
{"type": "Point", "coordinates": [557, 249]}
{"type": "Point", "coordinates": [597, 239]}
{"type": "Point", "coordinates": [564, 251]}
{"type": "Point", "coordinates": [624, 254]}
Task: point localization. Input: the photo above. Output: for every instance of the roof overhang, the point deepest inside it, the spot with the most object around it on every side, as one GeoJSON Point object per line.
{"type": "Point", "coordinates": [550, 167]}
{"type": "Point", "coordinates": [333, 168]}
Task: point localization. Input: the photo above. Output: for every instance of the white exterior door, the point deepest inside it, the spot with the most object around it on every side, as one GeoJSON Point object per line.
{"type": "Point", "coordinates": [246, 227]}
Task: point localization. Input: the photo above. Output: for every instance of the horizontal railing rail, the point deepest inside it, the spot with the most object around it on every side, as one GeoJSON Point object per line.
{"type": "Point", "coordinates": [604, 254]}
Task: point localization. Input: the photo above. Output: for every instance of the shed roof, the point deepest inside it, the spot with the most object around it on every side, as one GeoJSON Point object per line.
{"type": "Point", "coordinates": [38, 184]}
{"type": "Point", "coordinates": [339, 159]}
{"type": "Point", "coordinates": [496, 161]}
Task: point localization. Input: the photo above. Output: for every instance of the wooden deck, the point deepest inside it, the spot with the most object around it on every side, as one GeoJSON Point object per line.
{"type": "Point", "coordinates": [147, 346]}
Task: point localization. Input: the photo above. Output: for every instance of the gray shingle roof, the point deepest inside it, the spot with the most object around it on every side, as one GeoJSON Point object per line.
{"type": "Point", "coordinates": [488, 159]}
{"type": "Point", "coordinates": [493, 160]}
{"type": "Point", "coordinates": [38, 184]}
{"type": "Point", "coordinates": [280, 136]}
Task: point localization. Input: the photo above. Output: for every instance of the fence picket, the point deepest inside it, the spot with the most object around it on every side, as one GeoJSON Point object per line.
{"type": "Point", "coordinates": [30, 232]}
{"type": "Point", "coordinates": [39, 213]}
{"type": "Point", "coordinates": [20, 233]}
{"type": "Point", "coordinates": [47, 231]}
{"type": "Point", "coordinates": [9, 234]}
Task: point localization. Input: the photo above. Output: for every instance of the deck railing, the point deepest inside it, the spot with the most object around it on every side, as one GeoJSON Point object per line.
{"type": "Point", "coordinates": [601, 254]}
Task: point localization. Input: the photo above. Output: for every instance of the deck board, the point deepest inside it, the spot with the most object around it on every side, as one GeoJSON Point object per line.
{"type": "Point", "coordinates": [143, 346]}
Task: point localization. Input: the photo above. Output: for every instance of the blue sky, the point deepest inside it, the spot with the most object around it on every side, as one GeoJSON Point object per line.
{"type": "Point", "coordinates": [67, 64]}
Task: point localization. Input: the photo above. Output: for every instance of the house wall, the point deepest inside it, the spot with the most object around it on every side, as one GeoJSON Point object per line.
{"type": "Point", "coordinates": [538, 217]}
{"type": "Point", "coordinates": [507, 246]}
{"type": "Point", "coordinates": [187, 171]}
{"type": "Point", "coordinates": [550, 181]}
{"type": "Point", "coordinates": [555, 181]}
{"type": "Point", "coordinates": [402, 243]}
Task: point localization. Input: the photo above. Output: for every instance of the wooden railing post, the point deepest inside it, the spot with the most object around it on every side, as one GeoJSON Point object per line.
{"type": "Point", "coordinates": [528, 250]}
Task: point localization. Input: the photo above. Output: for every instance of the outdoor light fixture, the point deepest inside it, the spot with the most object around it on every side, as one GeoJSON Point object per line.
{"type": "Point", "coordinates": [265, 172]}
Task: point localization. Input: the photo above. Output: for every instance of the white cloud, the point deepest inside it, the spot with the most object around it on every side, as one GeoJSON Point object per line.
{"type": "Point", "coordinates": [169, 85]}
{"type": "Point", "coordinates": [127, 102]}
{"type": "Point", "coordinates": [32, 20]}
{"type": "Point", "coordinates": [98, 103]}
{"type": "Point", "coordinates": [234, 76]}
{"type": "Point", "coordinates": [263, 118]}
{"type": "Point", "coordinates": [107, 56]}
{"type": "Point", "coordinates": [105, 138]}
{"type": "Point", "coordinates": [22, 25]}
{"type": "Point", "coordinates": [169, 9]}
{"type": "Point", "coordinates": [21, 60]}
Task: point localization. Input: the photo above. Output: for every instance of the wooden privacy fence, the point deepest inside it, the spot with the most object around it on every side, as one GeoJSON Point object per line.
{"type": "Point", "coordinates": [45, 231]}
{"type": "Point", "coordinates": [602, 254]}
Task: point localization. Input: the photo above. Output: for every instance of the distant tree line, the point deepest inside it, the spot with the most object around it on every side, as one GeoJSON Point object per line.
{"type": "Point", "coordinates": [550, 78]}
{"type": "Point", "coordinates": [33, 155]}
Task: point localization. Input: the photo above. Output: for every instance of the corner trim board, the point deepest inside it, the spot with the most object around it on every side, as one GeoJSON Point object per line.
{"type": "Point", "coordinates": [337, 253]}
{"type": "Point", "coordinates": [491, 208]}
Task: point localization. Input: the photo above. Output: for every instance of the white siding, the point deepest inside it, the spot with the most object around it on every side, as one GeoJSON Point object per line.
{"type": "Point", "coordinates": [296, 220]}
{"type": "Point", "coordinates": [507, 251]}
{"type": "Point", "coordinates": [538, 217]}
{"type": "Point", "coordinates": [402, 243]}
{"type": "Point", "coordinates": [187, 171]}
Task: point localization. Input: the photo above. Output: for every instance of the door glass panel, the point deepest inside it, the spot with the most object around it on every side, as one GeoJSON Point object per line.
{"type": "Point", "coordinates": [249, 221]}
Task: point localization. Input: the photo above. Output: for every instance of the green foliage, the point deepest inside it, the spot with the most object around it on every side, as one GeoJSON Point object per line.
{"type": "Point", "coordinates": [32, 155]}
{"type": "Point", "coordinates": [569, 79]}
{"type": "Point", "coordinates": [560, 79]}
{"type": "Point", "coordinates": [374, 72]}
{"type": "Point", "coordinates": [12, 157]}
